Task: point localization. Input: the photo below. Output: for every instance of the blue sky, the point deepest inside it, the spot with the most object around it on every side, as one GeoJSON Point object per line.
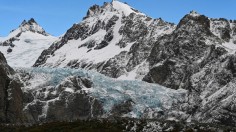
{"type": "Point", "coordinates": [56, 16]}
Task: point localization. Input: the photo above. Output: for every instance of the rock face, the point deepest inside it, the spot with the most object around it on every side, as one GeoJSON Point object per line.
{"type": "Point", "coordinates": [198, 56]}
{"type": "Point", "coordinates": [11, 96]}
{"type": "Point", "coordinates": [177, 55]}
{"type": "Point", "coordinates": [213, 91]}
{"type": "Point", "coordinates": [193, 57]}
{"type": "Point", "coordinates": [60, 104]}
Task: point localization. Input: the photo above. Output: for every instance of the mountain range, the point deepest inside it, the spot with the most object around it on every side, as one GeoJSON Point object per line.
{"type": "Point", "coordinates": [120, 63]}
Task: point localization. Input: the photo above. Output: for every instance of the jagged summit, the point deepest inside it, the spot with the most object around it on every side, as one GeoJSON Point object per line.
{"type": "Point", "coordinates": [194, 23]}
{"type": "Point", "coordinates": [114, 6]}
{"type": "Point", "coordinates": [194, 13]}
{"type": "Point", "coordinates": [30, 22]}
{"type": "Point", "coordinates": [33, 26]}
{"type": "Point", "coordinates": [26, 26]}
{"type": "Point", "coordinates": [124, 8]}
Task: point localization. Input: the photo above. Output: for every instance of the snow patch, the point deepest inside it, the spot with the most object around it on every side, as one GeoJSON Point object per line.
{"type": "Point", "coordinates": [123, 8]}
{"type": "Point", "coordinates": [130, 75]}
{"type": "Point", "coordinates": [230, 47]}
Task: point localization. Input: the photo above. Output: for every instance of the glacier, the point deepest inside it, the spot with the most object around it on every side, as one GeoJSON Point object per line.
{"type": "Point", "coordinates": [145, 97]}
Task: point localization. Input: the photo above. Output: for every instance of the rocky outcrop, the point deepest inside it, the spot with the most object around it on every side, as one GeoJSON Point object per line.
{"type": "Point", "coordinates": [214, 88]}
{"type": "Point", "coordinates": [64, 102]}
{"type": "Point", "coordinates": [223, 28]}
{"type": "Point", "coordinates": [175, 57]}
{"type": "Point", "coordinates": [193, 58]}
{"type": "Point", "coordinates": [11, 96]}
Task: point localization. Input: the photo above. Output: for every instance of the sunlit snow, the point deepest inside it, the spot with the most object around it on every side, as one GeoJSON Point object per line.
{"type": "Point", "coordinates": [27, 49]}
{"type": "Point", "coordinates": [230, 46]}
{"type": "Point", "coordinates": [124, 8]}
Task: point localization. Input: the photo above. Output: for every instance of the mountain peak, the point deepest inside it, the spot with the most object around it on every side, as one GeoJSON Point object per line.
{"type": "Point", "coordinates": [123, 7]}
{"type": "Point", "coordinates": [194, 14]}
{"type": "Point", "coordinates": [114, 6]}
{"type": "Point", "coordinates": [33, 26]}
{"type": "Point", "coordinates": [31, 21]}
{"type": "Point", "coordinates": [195, 23]}
{"type": "Point", "coordinates": [24, 22]}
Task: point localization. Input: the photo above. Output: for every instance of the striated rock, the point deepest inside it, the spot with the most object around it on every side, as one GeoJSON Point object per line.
{"type": "Point", "coordinates": [65, 102]}
{"type": "Point", "coordinates": [11, 96]}
{"type": "Point", "coordinates": [71, 107]}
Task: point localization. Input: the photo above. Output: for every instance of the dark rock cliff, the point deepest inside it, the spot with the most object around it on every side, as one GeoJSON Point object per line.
{"type": "Point", "coordinates": [11, 96]}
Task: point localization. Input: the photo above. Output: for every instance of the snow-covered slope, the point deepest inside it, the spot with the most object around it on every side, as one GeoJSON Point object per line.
{"type": "Point", "coordinates": [24, 44]}
{"type": "Point", "coordinates": [112, 32]}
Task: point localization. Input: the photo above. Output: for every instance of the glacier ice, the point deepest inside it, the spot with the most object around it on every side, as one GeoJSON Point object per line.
{"type": "Point", "coordinates": [110, 91]}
